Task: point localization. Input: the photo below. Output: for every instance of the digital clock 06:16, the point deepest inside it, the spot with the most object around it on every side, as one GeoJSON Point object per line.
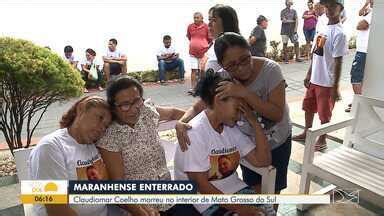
{"type": "Point", "coordinates": [42, 198]}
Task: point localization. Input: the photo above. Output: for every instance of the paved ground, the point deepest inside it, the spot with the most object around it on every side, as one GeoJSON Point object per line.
{"type": "Point", "coordinates": [175, 95]}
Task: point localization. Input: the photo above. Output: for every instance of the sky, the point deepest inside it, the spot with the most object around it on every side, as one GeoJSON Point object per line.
{"type": "Point", "coordinates": [137, 25]}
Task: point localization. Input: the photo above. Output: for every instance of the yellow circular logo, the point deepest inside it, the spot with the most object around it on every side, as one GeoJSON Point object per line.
{"type": "Point", "coordinates": [50, 187]}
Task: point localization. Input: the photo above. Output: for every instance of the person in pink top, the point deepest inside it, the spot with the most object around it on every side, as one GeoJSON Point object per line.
{"type": "Point", "coordinates": [309, 29]}
{"type": "Point", "coordinates": [198, 35]}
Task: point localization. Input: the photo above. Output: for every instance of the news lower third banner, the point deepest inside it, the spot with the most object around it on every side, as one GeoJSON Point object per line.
{"type": "Point", "coordinates": [146, 192]}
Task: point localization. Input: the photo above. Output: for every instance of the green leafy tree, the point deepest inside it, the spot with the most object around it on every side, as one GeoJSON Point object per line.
{"type": "Point", "coordinates": [31, 79]}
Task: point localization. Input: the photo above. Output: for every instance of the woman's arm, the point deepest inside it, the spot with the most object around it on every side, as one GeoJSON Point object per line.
{"type": "Point", "coordinates": [193, 111]}
{"type": "Point", "coordinates": [272, 108]}
{"type": "Point", "coordinates": [308, 15]}
{"type": "Point", "coordinates": [261, 155]}
{"type": "Point", "coordinates": [364, 9]}
{"type": "Point", "coordinates": [182, 126]}
{"type": "Point", "coordinates": [188, 33]}
{"type": "Point", "coordinates": [169, 113]}
{"type": "Point", "coordinates": [114, 164]}
{"type": "Point", "coordinates": [84, 67]}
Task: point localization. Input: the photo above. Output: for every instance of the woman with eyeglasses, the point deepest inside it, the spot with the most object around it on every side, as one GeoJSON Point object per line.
{"type": "Point", "coordinates": [258, 82]}
{"type": "Point", "coordinates": [222, 18]}
{"type": "Point", "coordinates": [131, 146]}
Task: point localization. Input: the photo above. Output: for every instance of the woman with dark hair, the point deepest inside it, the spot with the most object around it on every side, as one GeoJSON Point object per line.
{"type": "Point", "coordinates": [222, 18]}
{"type": "Point", "coordinates": [131, 147]}
{"type": "Point", "coordinates": [309, 28]}
{"type": "Point", "coordinates": [66, 153]}
{"type": "Point", "coordinates": [90, 69]}
{"type": "Point", "coordinates": [259, 83]}
{"type": "Point", "coordinates": [217, 146]}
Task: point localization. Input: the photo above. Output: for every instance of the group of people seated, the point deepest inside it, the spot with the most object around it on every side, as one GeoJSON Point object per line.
{"type": "Point", "coordinates": [242, 113]}
{"type": "Point", "coordinates": [114, 63]}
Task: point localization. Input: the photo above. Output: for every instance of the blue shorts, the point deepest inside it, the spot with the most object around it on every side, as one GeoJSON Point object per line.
{"type": "Point", "coordinates": [309, 34]}
{"type": "Point", "coordinates": [216, 210]}
{"type": "Point", "coordinates": [358, 65]}
{"type": "Point", "coordinates": [280, 160]}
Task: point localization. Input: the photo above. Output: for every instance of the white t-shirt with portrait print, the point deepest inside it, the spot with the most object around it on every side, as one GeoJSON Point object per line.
{"type": "Point", "coordinates": [217, 153]}
{"type": "Point", "coordinates": [58, 156]}
{"type": "Point", "coordinates": [329, 44]}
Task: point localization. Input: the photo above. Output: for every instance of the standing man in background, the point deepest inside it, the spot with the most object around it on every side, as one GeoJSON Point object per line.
{"type": "Point", "coordinates": [257, 39]}
{"type": "Point", "coordinates": [358, 65]}
{"type": "Point", "coordinates": [199, 40]}
{"type": "Point", "coordinates": [289, 30]}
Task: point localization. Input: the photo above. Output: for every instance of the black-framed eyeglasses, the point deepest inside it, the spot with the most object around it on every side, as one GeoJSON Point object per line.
{"type": "Point", "coordinates": [244, 60]}
{"type": "Point", "coordinates": [126, 106]}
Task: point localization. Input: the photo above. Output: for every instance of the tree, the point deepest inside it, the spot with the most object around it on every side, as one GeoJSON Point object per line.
{"type": "Point", "coordinates": [31, 78]}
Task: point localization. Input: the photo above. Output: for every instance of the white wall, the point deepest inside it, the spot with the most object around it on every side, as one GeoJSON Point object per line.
{"type": "Point", "coordinates": [374, 76]}
{"type": "Point", "coordinates": [137, 25]}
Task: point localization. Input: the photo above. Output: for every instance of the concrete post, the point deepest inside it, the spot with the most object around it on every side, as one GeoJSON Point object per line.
{"type": "Point", "coordinates": [374, 68]}
{"type": "Point", "coordinates": [373, 84]}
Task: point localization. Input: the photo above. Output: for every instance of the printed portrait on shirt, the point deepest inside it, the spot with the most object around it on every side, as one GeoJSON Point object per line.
{"type": "Point", "coordinates": [319, 45]}
{"type": "Point", "coordinates": [95, 170]}
{"type": "Point", "coordinates": [223, 165]}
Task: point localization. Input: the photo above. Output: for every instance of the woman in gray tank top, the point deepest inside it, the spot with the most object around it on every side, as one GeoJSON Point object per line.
{"type": "Point", "coordinates": [260, 83]}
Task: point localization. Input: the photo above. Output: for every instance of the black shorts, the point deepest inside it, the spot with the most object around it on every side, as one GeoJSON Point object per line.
{"type": "Point", "coordinates": [280, 160]}
{"type": "Point", "coordinates": [115, 68]}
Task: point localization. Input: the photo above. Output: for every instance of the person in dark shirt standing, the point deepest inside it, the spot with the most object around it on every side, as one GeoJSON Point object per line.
{"type": "Point", "coordinates": [289, 30]}
{"type": "Point", "coordinates": [257, 39]}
